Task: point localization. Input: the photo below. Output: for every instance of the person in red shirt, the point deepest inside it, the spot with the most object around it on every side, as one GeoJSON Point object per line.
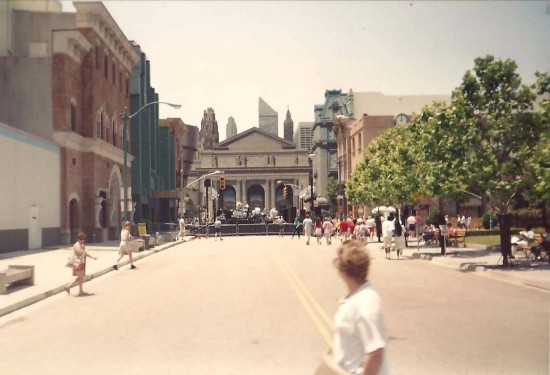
{"type": "Point", "coordinates": [352, 227]}
{"type": "Point", "coordinates": [344, 230]}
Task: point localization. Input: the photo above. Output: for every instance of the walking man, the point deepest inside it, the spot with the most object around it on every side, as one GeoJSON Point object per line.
{"type": "Point", "coordinates": [181, 234]}
{"type": "Point", "coordinates": [308, 225]}
{"type": "Point", "coordinates": [296, 227]}
{"type": "Point", "coordinates": [218, 229]}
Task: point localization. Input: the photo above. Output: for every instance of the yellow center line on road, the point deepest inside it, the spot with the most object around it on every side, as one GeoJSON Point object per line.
{"type": "Point", "coordinates": [315, 311]}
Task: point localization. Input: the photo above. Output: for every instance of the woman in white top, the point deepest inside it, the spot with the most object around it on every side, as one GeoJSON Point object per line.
{"type": "Point", "coordinates": [125, 246]}
{"type": "Point", "coordinates": [399, 237]}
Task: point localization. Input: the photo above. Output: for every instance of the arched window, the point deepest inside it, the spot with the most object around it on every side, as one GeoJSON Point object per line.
{"type": "Point", "coordinates": [73, 116]}
{"type": "Point", "coordinates": [98, 125]}
{"type": "Point", "coordinates": [106, 66]}
{"type": "Point", "coordinates": [114, 132]}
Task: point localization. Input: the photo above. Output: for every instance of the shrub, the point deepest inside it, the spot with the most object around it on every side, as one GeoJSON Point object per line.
{"type": "Point", "coordinates": [432, 217]}
{"type": "Point", "coordinates": [486, 218]}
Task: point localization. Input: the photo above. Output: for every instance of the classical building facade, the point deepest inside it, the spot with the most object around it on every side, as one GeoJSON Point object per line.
{"type": "Point", "coordinates": [256, 165]}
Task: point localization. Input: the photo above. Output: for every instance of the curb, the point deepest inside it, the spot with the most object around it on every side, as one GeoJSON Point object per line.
{"type": "Point", "coordinates": [481, 269]}
{"type": "Point", "coordinates": [43, 295]}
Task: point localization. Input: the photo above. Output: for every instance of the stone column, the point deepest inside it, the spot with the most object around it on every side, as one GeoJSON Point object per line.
{"type": "Point", "coordinates": [270, 200]}
{"type": "Point", "coordinates": [98, 201]}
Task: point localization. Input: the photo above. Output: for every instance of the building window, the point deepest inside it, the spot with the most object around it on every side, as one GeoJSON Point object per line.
{"type": "Point", "coordinates": [97, 57]}
{"type": "Point", "coordinates": [353, 146]}
{"type": "Point", "coordinates": [127, 88]}
{"type": "Point", "coordinates": [98, 126]}
{"type": "Point", "coordinates": [360, 145]}
{"type": "Point", "coordinates": [102, 126]}
{"type": "Point", "coordinates": [106, 67]}
{"type": "Point", "coordinates": [73, 117]}
{"type": "Point", "coordinates": [113, 71]}
{"type": "Point", "coordinates": [114, 133]}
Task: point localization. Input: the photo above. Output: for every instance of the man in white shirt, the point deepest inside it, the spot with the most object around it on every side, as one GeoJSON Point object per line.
{"type": "Point", "coordinates": [181, 234]}
{"type": "Point", "coordinates": [411, 225]}
{"type": "Point", "coordinates": [308, 225]}
{"type": "Point", "coordinates": [218, 229]}
{"type": "Point", "coordinates": [360, 339]}
{"type": "Point", "coordinates": [387, 234]}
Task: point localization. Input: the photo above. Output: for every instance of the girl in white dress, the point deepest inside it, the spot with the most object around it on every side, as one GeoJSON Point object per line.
{"type": "Point", "coordinates": [125, 247]}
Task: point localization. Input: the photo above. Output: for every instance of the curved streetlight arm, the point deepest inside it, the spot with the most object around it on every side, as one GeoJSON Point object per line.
{"type": "Point", "coordinates": [177, 106]}
{"type": "Point", "coordinates": [286, 183]}
{"type": "Point", "coordinates": [201, 177]}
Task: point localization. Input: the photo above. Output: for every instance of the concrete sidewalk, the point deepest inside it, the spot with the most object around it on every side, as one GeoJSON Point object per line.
{"type": "Point", "coordinates": [485, 261]}
{"type": "Point", "coordinates": [51, 275]}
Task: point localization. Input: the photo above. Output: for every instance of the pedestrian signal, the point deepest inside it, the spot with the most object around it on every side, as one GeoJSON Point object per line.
{"type": "Point", "coordinates": [285, 190]}
{"type": "Point", "coordinates": [222, 183]}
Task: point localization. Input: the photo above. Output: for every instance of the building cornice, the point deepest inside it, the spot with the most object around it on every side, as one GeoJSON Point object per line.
{"type": "Point", "coordinates": [95, 16]}
{"type": "Point", "coordinates": [71, 43]}
{"type": "Point", "coordinates": [75, 142]}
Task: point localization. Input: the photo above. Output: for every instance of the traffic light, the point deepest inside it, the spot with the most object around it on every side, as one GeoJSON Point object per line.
{"type": "Point", "coordinates": [285, 191]}
{"type": "Point", "coordinates": [222, 183]}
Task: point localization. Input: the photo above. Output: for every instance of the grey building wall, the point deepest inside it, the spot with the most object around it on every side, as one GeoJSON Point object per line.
{"type": "Point", "coordinates": [29, 82]}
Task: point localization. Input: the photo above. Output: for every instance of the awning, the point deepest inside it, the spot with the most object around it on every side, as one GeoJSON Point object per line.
{"type": "Point", "coordinates": [321, 202]}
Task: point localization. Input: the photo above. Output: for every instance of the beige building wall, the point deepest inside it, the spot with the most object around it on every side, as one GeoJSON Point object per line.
{"type": "Point", "coordinates": [30, 187]}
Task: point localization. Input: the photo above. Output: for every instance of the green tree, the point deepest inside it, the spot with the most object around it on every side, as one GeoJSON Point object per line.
{"type": "Point", "coordinates": [388, 174]}
{"type": "Point", "coordinates": [332, 192]}
{"type": "Point", "coordinates": [494, 111]}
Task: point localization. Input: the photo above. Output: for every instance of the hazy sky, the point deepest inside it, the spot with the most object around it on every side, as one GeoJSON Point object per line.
{"type": "Point", "coordinates": [226, 55]}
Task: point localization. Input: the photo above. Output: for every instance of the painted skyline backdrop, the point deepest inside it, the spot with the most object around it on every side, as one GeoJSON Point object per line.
{"type": "Point", "coordinates": [226, 55]}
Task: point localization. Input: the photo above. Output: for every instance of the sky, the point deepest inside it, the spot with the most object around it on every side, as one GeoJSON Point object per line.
{"type": "Point", "coordinates": [227, 54]}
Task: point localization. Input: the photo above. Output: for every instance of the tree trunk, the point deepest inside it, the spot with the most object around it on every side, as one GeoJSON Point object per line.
{"type": "Point", "coordinates": [505, 238]}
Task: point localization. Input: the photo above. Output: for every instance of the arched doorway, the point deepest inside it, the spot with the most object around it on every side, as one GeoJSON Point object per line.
{"type": "Point", "coordinates": [255, 196]}
{"type": "Point", "coordinates": [114, 203]}
{"type": "Point", "coordinates": [280, 201]}
{"type": "Point", "coordinates": [229, 197]}
{"type": "Point", "coordinates": [103, 210]}
{"type": "Point", "coordinates": [74, 219]}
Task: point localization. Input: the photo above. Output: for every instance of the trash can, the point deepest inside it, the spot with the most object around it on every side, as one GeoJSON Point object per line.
{"type": "Point", "coordinates": [146, 240]}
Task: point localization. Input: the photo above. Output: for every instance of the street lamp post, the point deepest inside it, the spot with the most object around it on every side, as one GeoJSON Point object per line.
{"type": "Point", "coordinates": [124, 117]}
{"type": "Point", "coordinates": [197, 180]}
{"type": "Point", "coordinates": [299, 187]}
{"type": "Point", "coordinates": [339, 192]}
{"type": "Point", "coordinates": [312, 198]}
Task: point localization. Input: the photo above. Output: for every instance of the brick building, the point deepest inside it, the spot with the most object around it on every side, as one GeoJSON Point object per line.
{"type": "Point", "coordinates": [67, 81]}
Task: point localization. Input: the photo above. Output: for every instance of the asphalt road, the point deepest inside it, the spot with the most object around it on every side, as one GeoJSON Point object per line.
{"type": "Point", "coordinates": [263, 305]}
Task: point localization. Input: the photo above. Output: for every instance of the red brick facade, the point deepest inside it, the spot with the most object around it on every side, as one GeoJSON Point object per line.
{"type": "Point", "coordinates": [88, 97]}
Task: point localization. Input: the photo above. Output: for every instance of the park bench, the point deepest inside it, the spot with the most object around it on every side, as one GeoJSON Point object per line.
{"type": "Point", "coordinates": [458, 237]}
{"type": "Point", "coordinates": [16, 274]}
{"type": "Point", "coordinates": [525, 248]}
